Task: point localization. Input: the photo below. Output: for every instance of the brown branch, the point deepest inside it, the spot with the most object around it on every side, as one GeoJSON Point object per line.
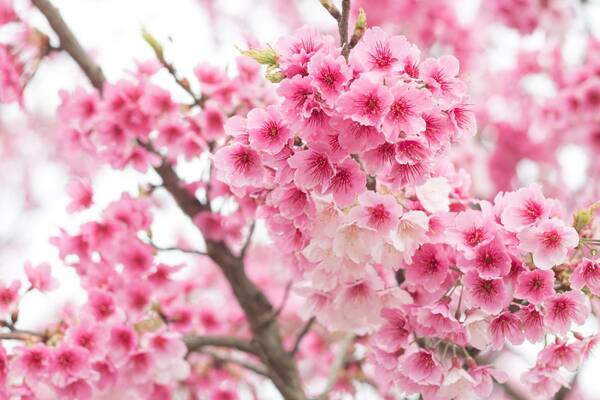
{"type": "Point", "coordinates": [189, 251]}
{"type": "Point", "coordinates": [305, 329]}
{"type": "Point", "coordinates": [246, 245]}
{"type": "Point", "coordinates": [196, 343]}
{"type": "Point", "coordinates": [229, 360]}
{"type": "Point", "coordinates": [342, 18]}
{"type": "Point", "coordinates": [18, 335]}
{"type": "Point", "coordinates": [257, 308]}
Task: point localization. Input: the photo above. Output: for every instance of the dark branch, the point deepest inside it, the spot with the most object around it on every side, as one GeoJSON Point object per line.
{"type": "Point", "coordinates": [196, 343]}
{"type": "Point", "coordinates": [229, 360]}
{"type": "Point", "coordinates": [305, 329]}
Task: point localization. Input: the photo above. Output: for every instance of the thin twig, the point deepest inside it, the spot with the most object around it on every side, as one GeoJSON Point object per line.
{"type": "Point", "coordinates": [246, 245]}
{"type": "Point", "coordinates": [195, 343]}
{"type": "Point", "coordinates": [305, 329]}
{"type": "Point", "coordinates": [229, 360]}
{"type": "Point", "coordinates": [277, 312]}
{"type": "Point", "coordinates": [24, 336]}
{"type": "Point", "coordinates": [343, 27]}
{"type": "Point", "coordinates": [338, 365]}
{"type": "Point", "coordinates": [189, 251]}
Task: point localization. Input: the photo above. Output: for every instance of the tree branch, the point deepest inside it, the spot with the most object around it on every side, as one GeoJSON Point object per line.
{"type": "Point", "coordinates": [257, 308]}
{"type": "Point", "coordinates": [195, 343]}
{"type": "Point", "coordinates": [342, 19]}
{"type": "Point", "coordinates": [229, 360]}
{"type": "Point", "coordinates": [305, 329]}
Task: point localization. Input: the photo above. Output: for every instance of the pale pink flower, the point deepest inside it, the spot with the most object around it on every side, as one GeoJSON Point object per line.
{"type": "Point", "coordinates": [329, 75]}
{"type": "Point", "coordinates": [376, 211]}
{"type": "Point", "coordinates": [434, 194]}
{"type": "Point", "coordinates": [347, 182]}
{"type": "Point", "coordinates": [411, 233]}
{"type": "Point", "coordinates": [484, 376]}
{"type": "Point", "coordinates": [440, 76]}
{"type": "Point", "coordinates": [549, 241]}
{"type": "Point", "coordinates": [292, 201]}
{"type": "Point", "coordinates": [422, 368]}
{"type": "Point", "coordinates": [266, 129]}
{"type": "Point", "coordinates": [40, 277]}
{"type": "Point", "coordinates": [488, 294]}
{"type": "Point", "coordinates": [394, 333]}
{"type": "Point", "coordinates": [561, 354]}
{"type": "Point", "coordinates": [587, 274]}
{"type": "Point", "coordinates": [506, 327]}
{"type": "Point", "coordinates": [562, 310]}
{"type": "Point", "coordinates": [366, 102]}
{"type": "Point", "coordinates": [82, 195]}
{"type": "Point", "coordinates": [313, 169]}
{"type": "Point", "coordinates": [377, 51]}
{"type": "Point", "coordinates": [7, 13]}
{"type": "Point", "coordinates": [412, 151]}
{"type": "Point", "coordinates": [542, 382]}
{"type": "Point", "coordinates": [353, 242]}
{"type": "Point", "coordinates": [525, 207]}
{"type": "Point", "coordinates": [359, 303]}
{"type": "Point", "coordinates": [405, 115]}
{"type": "Point", "coordinates": [429, 267]}
{"type": "Point", "coordinates": [535, 286]}
{"type": "Point", "coordinates": [239, 165]}
{"type": "Point", "coordinates": [464, 122]}
{"type": "Point", "coordinates": [457, 383]}
{"type": "Point", "coordinates": [213, 121]}
{"type": "Point", "coordinates": [90, 336]}
{"type": "Point", "coordinates": [532, 321]}
{"type": "Point", "coordinates": [101, 305]}
{"type": "Point", "coordinates": [470, 230]}
{"type": "Point", "coordinates": [380, 158]}
{"type": "Point", "coordinates": [135, 256]}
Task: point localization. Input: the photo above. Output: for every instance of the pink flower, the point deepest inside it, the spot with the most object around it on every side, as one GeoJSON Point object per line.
{"type": "Point", "coordinates": [122, 342]}
{"type": "Point", "coordinates": [587, 273]}
{"type": "Point", "coordinates": [506, 327]}
{"type": "Point", "coordinates": [470, 230]}
{"type": "Point", "coordinates": [532, 321]}
{"type": "Point", "coordinates": [549, 242]}
{"type": "Point", "coordinates": [376, 211]}
{"type": "Point", "coordinates": [366, 102]}
{"type": "Point", "coordinates": [394, 334]}
{"type": "Point", "coordinates": [488, 294]}
{"type": "Point", "coordinates": [561, 354]}
{"type": "Point", "coordinates": [561, 310]}
{"type": "Point", "coordinates": [421, 367]}
{"type": "Point", "coordinates": [68, 363]}
{"type": "Point", "coordinates": [266, 129]}
{"type": "Point", "coordinates": [429, 267]}
{"type": "Point", "coordinates": [81, 194]}
{"type": "Point", "coordinates": [40, 277]}
{"type": "Point", "coordinates": [328, 75]}
{"type": "Point", "coordinates": [312, 168]}
{"type": "Point", "coordinates": [213, 121]}
{"type": "Point", "coordinates": [9, 296]}
{"type": "Point", "coordinates": [7, 13]}
{"type": "Point", "coordinates": [101, 305]}
{"type": "Point", "coordinates": [376, 51]}
{"type": "Point", "coordinates": [90, 336]}
{"type": "Point", "coordinates": [490, 260]}
{"type": "Point", "coordinates": [404, 117]}
{"type": "Point", "coordinates": [238, 165]}
{"type": "Point", "coordinates": [440, 75]}
{"type": "Point", "coordinates": [136, 257]}
{"type": "Point", "coordinates": [295, 51]}
{"type": "Point", "coordinates": [32, 362]}
{"type": "Point", "coordinates": [347, 182]}
{"type": "Point", "coordinates": [355, 137]}
{"type": "Point", "coordinates": [525, 207]}
{"type": "Point", "coordinates": [543, 382]}
{"type": "Point", "coordinates": [535, 286]}
{"type": "Point", "coordinates": [483, 375]}
{"type": "Point", "coordinates": [292, 201]}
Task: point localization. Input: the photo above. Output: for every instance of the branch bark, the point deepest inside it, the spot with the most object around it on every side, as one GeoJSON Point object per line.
{"type": "Point", "coordinates": [257, 308]}
{"type": "Point", "coordinates": [195, 343]}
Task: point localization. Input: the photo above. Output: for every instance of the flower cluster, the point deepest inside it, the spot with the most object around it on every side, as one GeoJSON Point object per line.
{"type": "Point", "coordinates": [361, 196]}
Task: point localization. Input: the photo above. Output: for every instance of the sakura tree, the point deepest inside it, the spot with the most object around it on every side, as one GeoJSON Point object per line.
{"type": "Point", "coordinates": [337, 246]}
